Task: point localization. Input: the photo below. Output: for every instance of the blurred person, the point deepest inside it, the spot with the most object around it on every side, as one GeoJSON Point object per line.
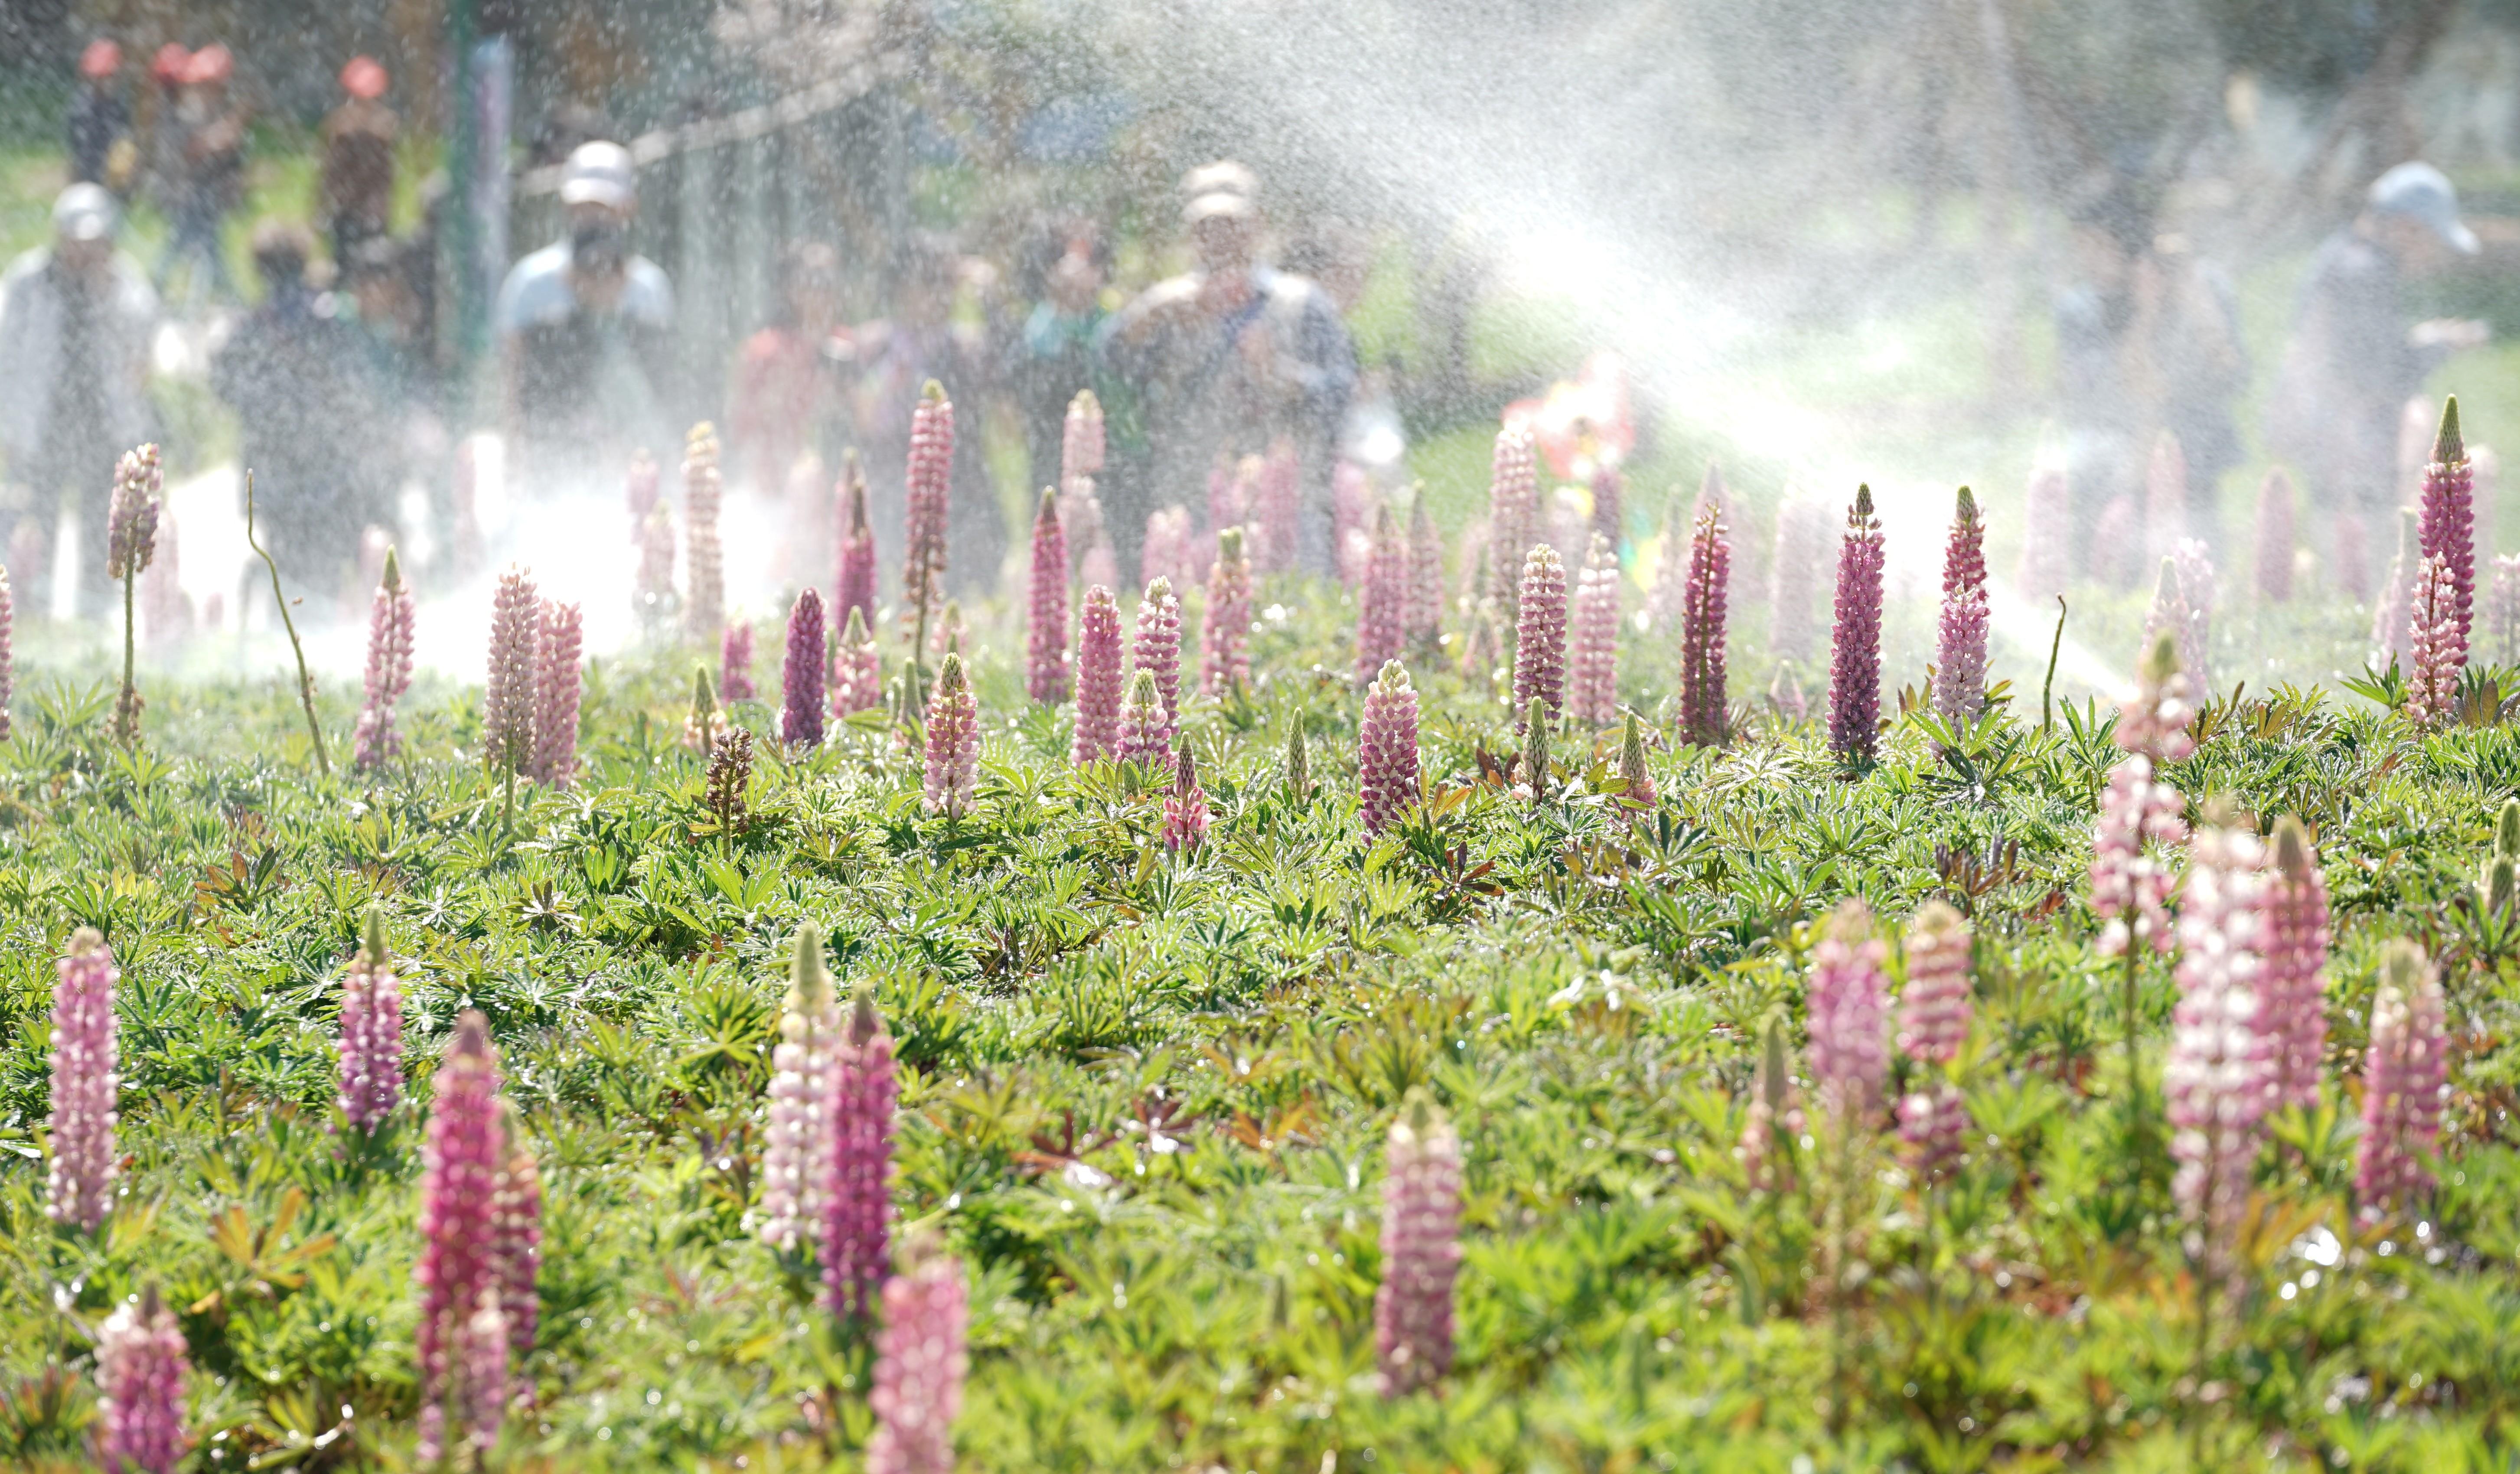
{"type": "Point", "coordinates": [99, 119]}
{"type": "Point", "coordinates": [2354, 359]}
{"type": "Point", "coordinates": [210, 159]}
{"type": "Point", "coordinates": [165, 152]}
{"type": "Point", "coordinates": [892, 359]}
{"type": "Point", "coordinates": [785, 391]}
{"type": "Point", "coordinates": [74, 324]}
{"type": "Point", "coordinates": [296, 376]}
{"type": "Point", "coordinates": [585, 329]}
{"type": "Point", "coordinates": [1052, 356]}
{"type": "Point", "coordinates": [2093, 313]}
{"type": "Point", "coordinates": [355, 193]}
{"type": "Point", "coordinates": [2191, 364]}
{"type": "Point", "coordinates": [1225, 360]}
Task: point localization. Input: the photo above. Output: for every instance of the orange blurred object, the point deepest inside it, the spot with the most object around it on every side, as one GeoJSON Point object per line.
{"type": "Point", "coordinates": [212, 65]}
{"type": "Point", "coordinates": [168, 64]}
{"type": "Point", "coordinates": [1584, 424]}
{"type": "Point", "coordinates": [364, 78]}
{"type": "Point", "coordinates": [102, 60]}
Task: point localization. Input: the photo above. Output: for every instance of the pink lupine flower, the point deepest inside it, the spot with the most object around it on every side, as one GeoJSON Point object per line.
{"type": "Point", "coordinates": [2214, 1079]}
{"type": "Point", "coordinates": [1380, 634]}
{"type": "Point", "coordinates": [2393, 616]}
{"type": "Point", "coordinates": [2048, 534]}
{"type": "Point", "coordinates": [1854, 645]}
{"type": "Point", "coordinates": [1097, 678]}
{"type": "Point", "coordinates": [2404, 1082]}
{"type": "Point", "coordinates": [1513, 512]}
{"type": "Point", "coordinates": [797, 1140]}
{"type": "Point", "coordinates": [2501, 621]}
{"type": "Point", "coordinates": [458, 1268]}
{"type": "Point", "coordinates": [1277, 510]}
{"type": "Point", "coordinates": [952, 742]}
{"type": "Point", "coordinates": [1165, 551]}
{"type": "Point", "coordinates": [735, 663]}
{"type": "Point", "coordinates": [1704, 592]}
{"type": "Point", "coordinates": [2448, 524]}
{"type": "Point", "coordinates": [1802, 551]}
{"type": "Point", "coordinates": [517, 1236]}
{"type": "Point", "coordinates": [2197, 585]}
{"type": "Point", "coordinates": [2292, 982]}
{"type": "Point", "coordinates": [557, 694]}
{"type": "Point", "coordinates": [929, 477]}
{"type": "Point", "coordinates": [2130, 885]}
{"type": "Point", "coordinates": [2275, 538]}
{"type": "Point", "coordinates": [854, 578]}
{"type": "Point", "coordinates": [370, 1046]}
{"type": "Point", "coordinates": [140, 1368]}
{"type": "Point", "coordinates": [2440, 647]}
{"type": "Point", "coordinates": [1593, 665]}
{"type": "Point", "coordinates": [1422, 614]}
{"type": "Point", "coordinates": [2165, 495]}
{"type": "Point", "coordinates": [1226, 507]}
{"type": "Point", "coordinates": [390, 624]}
{"type": "Point", "coordinates": [1637, 791]}
{"type": "Point", "coordinates": [1959, 668]}
{"type": "Point", "coordinates": [639, 489]}
{"type": "Point", "coordinates": [1386, 749]}
{"type": "Point", "coordinates": [704, 555]}
{"type": "Point", "coordinates": [1155, 649]}
{"type": "Point", "coordinates": [2176, 612]}
{"type": "Point", "coordinates": [1609, 504]}
{"type": "Point", "coordinates": [477, 1398]}
{"type": "Point", "coordinates": [8, 651]}
{"type": "Point", "coordinates": [1144, 737]}
{"type": "Point", "coordinates": [1046, 627]}
{"type": "Point", "coordinates": [652, 585]}
{"type": "Point", "coordinates": [1848, 1006]}
{"type": "Point", "coordinates": [801, 698]}
{"type": "Point", "coordinates": [857, 669]}
{"type": "Point", "coordinates": [1422, 1248]}
{"type": "Point", "coordinates": [1225, 637]}
{"type": "Point", "coordinates": [1933, 1026]}
{"type": "Point", "coordinates": [1185, 806]}
{"type": "Point", "coordinates": [79, 1189]}
{"type": "Point", "coordinates": [131, 518]}
{"type": "Point", "coordinates": [1539, 634]}
{"type": "Point", "coordinates": [508, 697]}
{"type": "Point", "coordinates": [920, 1364]}
{"type": "Point", "coordinates": [1350, 498]}
{"type": "Point", "coordinates": [1080, 447]}
{"type": "Point", "coordinates": [857, 1193]}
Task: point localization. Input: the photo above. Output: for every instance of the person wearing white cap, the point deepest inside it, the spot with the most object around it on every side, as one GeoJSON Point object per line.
{"type": "Point", "coordinates": [2354, 359]}
{"type": "Point", "coordinates": [76, 317]}
{"type": "Point", "coordinates": [584, 326]}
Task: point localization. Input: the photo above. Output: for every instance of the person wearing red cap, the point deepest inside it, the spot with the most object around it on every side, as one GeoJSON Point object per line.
{"type": "Point", "coordinates": [100, 117]}
{"type": "Point", "coordinates": [355, 196]}
{"type": "Point", "coordinates": [209, 180]}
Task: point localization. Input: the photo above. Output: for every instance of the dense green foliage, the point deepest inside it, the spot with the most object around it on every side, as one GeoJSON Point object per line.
{"type": "Point", "coordinates": [1148, 1095]}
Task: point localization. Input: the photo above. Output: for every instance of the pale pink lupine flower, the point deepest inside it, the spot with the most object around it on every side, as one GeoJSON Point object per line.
{"type": "Point", "coordinates": [1513, 512]}
{"type": "Point", "coordinates": [517, 1236]}
{"type": "Point", "coordinates": [2129, 883]}
{"type": "Point", "coordinates": [1379, 632]}
{"type": "Point", "coordinates": [920, 1364]}
{"type": "Point", "coordinates": [952, 742]}
{"type": "Point", "coordinates": [1540, 635]}
{"type": "Point", "coordinates": [140, 1367]}
{"type": "Point", "coordinates": [1422, 1248]}
{"type": "Point", "coordinates": [2292, 981]}
{"type": "Point", "coordinates": [1848, 1008]}
{"type": "Point", "coordinates": [2214, 1079]}
{"type": "Point", "coordinates": [1592, 663]}
{"type": "Point", "coordinates": [1185, 806]}
{"type": "Point", "coordinates": [1386, 741]}
{"type": "Point", "coordinates": [371, 1047]}
{"type": "Point", "coordinates": [1933, 1025]}
{"type": "Point", "coordinates": [2440, 644]}
{"type": "Point", "coordinates": [796, 1145]}
{"type": "Point", "coordinates": [507, 696]}
{"type": "Point", "coordinates": [1225, 634]}
{"type": "Point", "coordinates": [1156, 651]}
{"type": "Point", "coordinates": [1097, 677]}
{"type": "Point", "coordinates": [857, 669]}
{"type": "Point", "coordinates": [390, 622]}
{"type": "Point", "coordinates": [79, 1189]}
{"type": "Point", "coordinates": [2404, 1082]}
{"type": "Point", "coordinates": [557, 693]}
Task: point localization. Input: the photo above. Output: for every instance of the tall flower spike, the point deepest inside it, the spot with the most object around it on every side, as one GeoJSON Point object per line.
{"type": "Point", "coordinates": [797, 1140]}
{"type": "Point", "coordinates": [930, 473]}
{"type": "Point", "coordinates": [1592, 666]}
{"type": "Point", "coordinates": [705, 722]}
{"type": "Point", "coordinates": [370, 1046]}
{"type": "Point", "coordinates": [507, 698]}
{"type": "Point", "coordinates": [79, 1189]}
{"type": "Point", "coordinates": [1855, 646]}
{"type": "Point", "coordinates": [734, 662]}
{"type": "Point", "coordinates": [1186, 807]}
{"type": "Point", "coordinates": [857, 669]}
{"type": "Point", "coordinates": [2275, 538]}
{"type": "Point", "coordinates": [729, 777]}
{"type": "Point", "coordinates": [1933, 1026]}
{"type": "Point", "coordinates": [517, 1235]}
{"type": "Point", "coordinates": [2139, 810]}
{"type": "Point", "coordinates": [390, 625]}
{"type": "Point", "coordinates": [920, 1364]}
{"type": "Point", "coordinates": [1637, 791]}
{"type": "Point", "coordinates": [1422, 1248]}
{"type": "Point", "coordinates": [1144, 737]}
{"type": "Point", "coordinates": [1224, 636]}
{"type": "Point", "coordinates": [1046, 625]}
{"type": "Point", "coordinates": [1704, 592]}
{"type": "Point", "coordinates": [1156, 650]}
{"type": "Point", "coordinates": [457, 1271]}
{"type": "Point", "coordinates": [801, 676]}
{"type": "Point", "coordinates": [1097, 678]}
{"type": "Point", "coordinates": [2440, 647]}
{"type": "Point", "coordinates": [1421, 616]}
{"type": "Point", "coordinates": [557, 694]}
{"type": "Point", "coordinates": [1848, 1003]}
{"type": "Point", "coordinates": [705, 557]}
{"type": "Point", "coordinates": [1540, 635]}
{"type": "Point", "coordinates": [952, 742]}
{"type": "Point", "coordinates": [857, 1192]}
{"type": "Point", "coordinates": [8, 651]}
{"type": "Point", "coordinates": [2292, 972]}
{"type": "Point", "coordinates": [131, 541]}
{"type": "Point", "coordinates": [1386, 749]}
{"type": "Point", "coordinates": [2215, 1079]}
{"type": "Point", "coordinates": [1378, 603]}
{"type": "Point", "coordinates": [140, 1367]}
{"type": "Point", "coordinates": [853, 573]}
{"type": "Point", "coordinates": [1959, 667]}
{"type": "Point", "coordinates": [1513, 512]}
{"type": "Point", "coordinates": [1802, 551]}
{"type": "Point", "coordinates": [2404, 1082]}
{"type": "Point", "coordinates": [2449, 523]}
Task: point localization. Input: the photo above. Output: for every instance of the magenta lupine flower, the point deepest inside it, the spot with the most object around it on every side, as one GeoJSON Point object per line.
{"type": "Point", "coordinates": [508, 697]}
{"type": "Point", "coordinates": [797, 1143]}
{"type": "Point", "coordinates": [1225, 637]}
{"type": "Point", "coordinates": [920, 1364]}
{"type": "Point", "coordinates": [2130, 885]}
{"type": "Point", "coordinates": [1933, 1026]}
{"type": "Point", "coordinates": [557, 694]}
{"type": "Point", "coordinates": [79, 1189]}
{"type": "Point", "coordinates": [2501, 621]}
{"type": "Point", "coordinates": [2448, 525]}
{"type": "Point", "coordinates": [2165, 495]}
{"type": "Point", "coordinates": [1593, 662]}
{"type": "Point", "coordinates": [370, 1046]}
{"type": "Point", "coordinates": [390, 623]}
{"type": "Point", "coordinates": [140, 1367]}
{"type": "Point", "coordinates": [1638, 789]}
{"type": "Point", "coordinates": [853, 580]}
{"type": "Point", "coordinates": [857, 1193]}
{"type": "Point", "coordinates": [857, 669]}
{"type": "Point", "coordinates": [1378, 603]}
{"type": "Point", "coordinates": [517, 1236]}
{"type": "Point", "coordinates": [2293, 970]}
{"type": "Point", "coordinates": [1959, 667]}
{"type": "Point", "coordinates": [1144, 737]}
{"type": "Point", "coordinates": [2214, 1079]}
{"type": "Point", "coordinates": [2440, 647]}
{"type": "Point", "coordinates": [734, 662]}
{"type": "Point", "coordinates": [1156, 650]}
{"type": "Point", "coordinates": [1276, 509]}
{"type": "Point", "coordinates": [1513, 512]}
{"type": "Point", "coordinates": [1704, 592]}
{"type": "Point", "coordinates": [800, 677]}
{"type": "Point", "coordinates": [1097, 678]}
{"type": "Point", "coordinates": [1386, 749]}
{"type": "Point", "coordinates": [930, 474]}
{"type": "Point", "coordinates": [1848, 1016]}
{"type": "Point", "coordinates": [1540, 635]}
{"type": "Point", "coordinates": [459, 1268]}
{"type": "Point", "coordinates": [704, 555]}
{"type": "Point", "coordinates": [1046, 627]}
{"type": "Point", "coordinates": [1422, 1248]}
{"type": "Point", "coordinates": [1422, 614]}
{"type": "Point", "coordinates": [9, 652]}
{"type": "Point", "coordinates": [952, 742]}
{"type": "Point", "coordinates": [1185, 806]}
{"type": "Point", "coordinates": [2404, 1082]}
{"type": "Point", "coordinates": [2393, 614]}
{"type": "Point", "coordinates": [2047, 535]}
{"type": "Point", "coordinates": [1855, 646]}
{"type": "Point", "coordinates": [2275, 538]}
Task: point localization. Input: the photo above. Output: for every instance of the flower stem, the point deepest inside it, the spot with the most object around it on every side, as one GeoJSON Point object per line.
{"type": "Point", "coordinates": [305, 682]}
